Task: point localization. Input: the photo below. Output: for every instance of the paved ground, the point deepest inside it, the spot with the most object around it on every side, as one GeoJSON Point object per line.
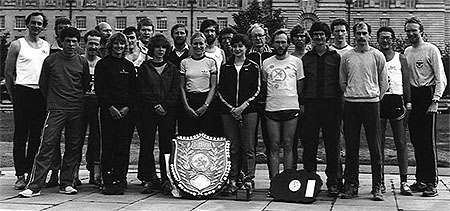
{"type": "Point", "coordinates": [90, 198]}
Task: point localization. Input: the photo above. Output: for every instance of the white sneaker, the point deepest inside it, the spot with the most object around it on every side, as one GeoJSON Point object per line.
{"type": "Point", "coordinates": [69, 190]}
{"type": "Point", "coordinates": [28, 193]}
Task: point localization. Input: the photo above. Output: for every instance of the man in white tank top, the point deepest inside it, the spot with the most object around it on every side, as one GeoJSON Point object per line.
{"type": "Point", "coordinates": [23, 68]}
{"type": "Point", "coordinates": [393, 104]}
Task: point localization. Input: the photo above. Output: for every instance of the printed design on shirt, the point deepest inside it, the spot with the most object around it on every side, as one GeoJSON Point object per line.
{"type": "Point", "coordinates": [123, 71]}
{"type": "Point", "coordinates": [205, 72]}
{"type": "Point", "coordinates": [91, 89]}
{"type": "Point", "coordinates": [45, 52]}
{"type": "Point", "coordinates": [419, 63]}
{"type": "Point", "coordinates": [389, 90]}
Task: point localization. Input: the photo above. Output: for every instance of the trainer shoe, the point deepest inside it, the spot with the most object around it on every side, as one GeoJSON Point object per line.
{"type": "Point", "coordinates": [404, 189]}
{"type": "Point", "coordinates": [333, 191]}
{"type": "Point", "coordinates": [69, 190]}
{"type": "Point", "coordinates": [166, 188]}
{"type": "Point", "coordinates": [377, 195]}
{"type": "Point", "coordinates": [418, 187]}
{"type": "Point", "coordinates": [20, 183]}
{"type": "Point", "coordinates": [430, 191]}
{"type": "Point", "coordinates": [230, 189]}
{"type": "Point", "coordinates": [351, 191]}
{"type": "Point", "coordinates": [28, 193]}
{"type": "Point", "coordinates": [148, 188]}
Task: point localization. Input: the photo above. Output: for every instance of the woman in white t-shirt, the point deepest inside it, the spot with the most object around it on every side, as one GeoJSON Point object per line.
{"type": "Point", "coordinates": [198, 79]}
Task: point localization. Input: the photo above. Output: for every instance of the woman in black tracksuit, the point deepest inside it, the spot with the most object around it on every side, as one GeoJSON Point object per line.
{"type": "Point", "coordinates": [238, 88]}
{"type": "Point", "coordinates": [158, 89]}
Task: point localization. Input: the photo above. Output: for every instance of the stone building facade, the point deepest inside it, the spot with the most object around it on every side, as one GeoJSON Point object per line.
{"type": "Point", "coordinates": [435, 14]}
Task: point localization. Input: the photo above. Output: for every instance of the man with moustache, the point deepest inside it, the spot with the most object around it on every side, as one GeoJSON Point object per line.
{"type": "Point", "coordinates": [340, 29]}
{"type": "Point", "coordinates": [63, 81]}
{"type": "Point", "coordinates": [283, 74]}
{"type": "Point", "coordinates": [363, 79]}
{"type": "Point", "coordinates": [393, 104]}
{"type": "Point", "coordinates": [146, 30]}
{"type": "Point", "coordinates": [22, 70]}
{"type": "Point", "coordinates": [225, 37]}
{"type": "Point", "coordinates": [106, 31]}
{"type": "Point", "coordinates": [321, 99]}
{"type": "Point", "coordinates": [427, 79]}
{"type": "Point", "coordinates": [92, 39]}
{"type": "Point", "coordinates": [180, 48]}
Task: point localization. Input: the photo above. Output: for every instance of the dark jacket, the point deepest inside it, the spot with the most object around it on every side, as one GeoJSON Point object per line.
{"type": "Point", "coordinates": [154, 89]}
{"type": "Point", "coordinates": [258, 58]}
{"type": "Point", "coordinates": [236, 89]}
{"type": "Point", "coordinates": [115, 80]}
{"type": "Point", "coordinates": [321, 75]}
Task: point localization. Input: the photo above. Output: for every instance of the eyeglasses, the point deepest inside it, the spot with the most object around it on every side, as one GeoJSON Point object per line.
{"type": "Point", "coordinates": [361, 33]}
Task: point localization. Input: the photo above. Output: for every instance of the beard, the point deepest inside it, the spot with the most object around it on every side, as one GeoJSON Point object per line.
{"type": "Point", "coordinates": [210, 40]}
{"type": "Point", "coordinates": [413, 39]}
{"type": "Point", "coordinates": [280, 51]}
{"type": "Point", "coordinates": [180, 41]}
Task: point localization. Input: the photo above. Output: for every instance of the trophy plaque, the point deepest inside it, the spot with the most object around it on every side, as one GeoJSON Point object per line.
{"type": "Point", "coordinates": [200, 164]}
{"type": "Point", "coordinates": [295, 186]}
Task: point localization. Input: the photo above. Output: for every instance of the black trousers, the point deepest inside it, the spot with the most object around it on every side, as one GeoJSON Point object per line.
{"type": "Point", "coordinates": [188, 126]}
{"type": "Point", "coordinates": [422, 131]}
{"type": "Point", "coordinates": [115, 140]}
{"type": "Point", "coordinates": [150, 122]}
{"type": "Point", "coordinates": [90, 118]}
{"type": "Point", "coordinates": [29, 116]}
{"type": "Point", "coordinates": [325, 114]}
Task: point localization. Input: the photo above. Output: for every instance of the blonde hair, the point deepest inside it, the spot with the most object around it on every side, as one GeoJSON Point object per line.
{"type": "Point", "coordinates": [115, 37]}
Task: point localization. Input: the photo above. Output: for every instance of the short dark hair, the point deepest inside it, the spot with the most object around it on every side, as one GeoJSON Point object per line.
{"type": "Point", "coordinates": [386, 29]}
{"type": "Point", "coordinates": [299, 29]}
{"type": "Point", "coordinates": [207, 23]}
{"type": "Point", "coordinates": [129, 30]}
{"type": "Point", "coordinates": [92, 33]}
{"type": "Point", "coordinates": [70, 32]}
{"type": "Point", "coordinates": [278, 32]}
{"type": "Point", "coordinates": [44, 24]}
{"type": "Point", "coordinates": [156, 41]}
{"type": "Point", "coordinates": [320, 26]}
{"type": "Point", "coordinates": [226, 30]}
{"type": "Point", "coordinates": [145, 22]}
{"type": "Point", "coordinates": [415, 20]}
{"type": "Point", "coordinates": [338, 22]}
{"type": "Point", "coordinates": [62, 20]}
{"type": "Point", "coordinates": [369, 28]}
{"type": "Point", "coordinates": [176, 26]}
{"type": "Point", "coordinates": [241, 38]}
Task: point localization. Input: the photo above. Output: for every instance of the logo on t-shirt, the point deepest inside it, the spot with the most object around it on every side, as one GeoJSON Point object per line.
{"type": "Point", "coordinates": [419, 63]}
{"type": "Point", "coordinates": [278, 74]}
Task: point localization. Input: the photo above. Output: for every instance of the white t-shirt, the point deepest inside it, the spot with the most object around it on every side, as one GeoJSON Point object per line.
{"type": "Point", "coordinates": [198, 73]}
{"type": "Point", "coordinates": [29, 63]}
{"type": "Point", "coordinates": [341, 51]}
{"type": "Point", "coordinates": [218, 57]}
{"type": "Point", "coordinates": [281, 77]}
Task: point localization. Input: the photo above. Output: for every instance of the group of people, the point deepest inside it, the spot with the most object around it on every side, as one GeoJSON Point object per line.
{"type": "Point", "coordinates": [144, 82]}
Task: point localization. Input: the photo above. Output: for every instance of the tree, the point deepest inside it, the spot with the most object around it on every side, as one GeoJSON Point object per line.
{"type": "Point", "coordinates": [257, 13]}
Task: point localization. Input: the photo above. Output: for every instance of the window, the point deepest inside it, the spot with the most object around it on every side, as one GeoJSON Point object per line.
{"type": "Point", "coordinates": [182, 20]}
{"type": "Point", "coordinates": [130, 3]}
{"type": "Point", "coordinates": [358, 4]}
{"type": "Point", "coordinates": [202, 3]}
{"type": "Point", "coordinates": [2, 22]}
{"type": "Point", "coordinates": [384, 22]}
{"type": "Point", "coordinates": [20, 22]}
{"type": "Point", "coordinates": [385, 4]}
{"type": "Point", "coordinates": [20, 3]}
{"type": "Point", "coordinates": [121, 23]}
{"type": "Point", "coordinates": [60, 3]}
{"type": "Point", "coordinates": [161, 3]}
{"type": "Point", "coordinates": [30, 2]}
{"type": "Point", "coordinates": [199, 22]}
{"type": "Point", "coordinates": [222, 3]}
{"type": "Point", "coordinates": [100, 19]}
{"type": "Point", "coordinates": [80, 22]}
{"type": "Point", "coordinates": [222, 22]}
{"type": "Point", "coordinates": [161, 23]}
{"type": "Point", "coordinates": [411, 4]}
{"type": "Point", "coordinates": [182, 3]}
{"type": "Point", "coordinates": [141, 3]}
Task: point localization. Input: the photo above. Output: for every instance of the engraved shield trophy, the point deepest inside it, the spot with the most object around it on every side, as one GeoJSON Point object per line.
{"type": "Point", "coordinates": [200, 164]}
